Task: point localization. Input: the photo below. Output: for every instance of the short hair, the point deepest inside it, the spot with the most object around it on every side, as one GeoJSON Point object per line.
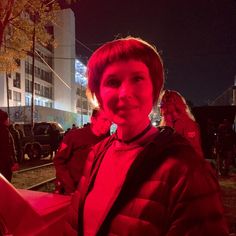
{"type": "Point", "coordinates": [3, 116]}
{"type": "Point", "coordinates": [125, 49]}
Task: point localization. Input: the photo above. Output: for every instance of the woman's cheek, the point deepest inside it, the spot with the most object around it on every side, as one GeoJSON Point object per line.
{"type": "Point", "coordinates": [112, 105]}
{"type": "Point", "coordinates": [109, 106]}
{"type": "Point", "coordinates": [108, 99]}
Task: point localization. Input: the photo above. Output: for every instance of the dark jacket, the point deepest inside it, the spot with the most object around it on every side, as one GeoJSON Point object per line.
{"type": "Point", "coordinates": [7, 152]}
{"type": "Point", "coordinates": [16, 142]}
{"type": "Point", "coordinates": [70, 159]}
{"type": "Point", "coordinates": [168, 191]}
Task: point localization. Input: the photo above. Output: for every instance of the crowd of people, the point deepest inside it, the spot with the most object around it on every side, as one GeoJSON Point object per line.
{"type": "Point", "coordinates": [140, 180]}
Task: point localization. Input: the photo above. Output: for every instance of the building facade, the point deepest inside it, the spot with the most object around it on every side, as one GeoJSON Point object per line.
{"type": "Point", "coordinates": [59, 78]}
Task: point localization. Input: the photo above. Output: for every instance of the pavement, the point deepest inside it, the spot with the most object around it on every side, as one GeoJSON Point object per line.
{"type": "Point", "coordinates": [228, 186]}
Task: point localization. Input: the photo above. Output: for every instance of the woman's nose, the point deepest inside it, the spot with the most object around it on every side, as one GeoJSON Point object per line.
{"type": "Point", "coordinates": [125, 91]}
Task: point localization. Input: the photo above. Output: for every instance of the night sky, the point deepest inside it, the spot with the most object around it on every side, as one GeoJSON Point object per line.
{"type": "Point", "coordinates": [196, 38]}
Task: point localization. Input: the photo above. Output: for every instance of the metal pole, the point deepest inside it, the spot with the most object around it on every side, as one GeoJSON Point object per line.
{"type": "Point", "coordinates": [33, 65]}
{"type": "Point", "coordinates": [7, 84]}
{"type": "Point", "coordinates": [81, 102]}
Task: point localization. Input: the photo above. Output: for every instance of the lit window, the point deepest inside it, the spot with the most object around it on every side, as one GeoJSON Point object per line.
{"type": "Point", "coordinates": [16, 81]}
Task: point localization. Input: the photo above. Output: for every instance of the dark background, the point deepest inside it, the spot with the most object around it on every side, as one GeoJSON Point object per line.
{"type": "Point", "coordinates": [196, 38]}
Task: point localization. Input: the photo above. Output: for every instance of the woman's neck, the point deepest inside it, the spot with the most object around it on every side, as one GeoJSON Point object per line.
{"type": "Point", "coordinates": [128, 132]}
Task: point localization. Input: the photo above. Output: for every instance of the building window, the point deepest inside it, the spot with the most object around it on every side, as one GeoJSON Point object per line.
{"type": "Point", "coordinates": [41, 90]}
{"type": "Point", "coordinates": [9, 94]}
{"type": "Point", "coordinates": [51, 93]}
{"type": "Point", "coordinates": [40, 73]}
{"type": "Point", "coordinates": [36, 102]}
{"type": "Point", "coordinates": [46, 92]}
{"type": "Point", "coordinates": [16, 98]}
{"type": "Point", "coordinates": [78, 103]}
{"type": "Point", "coordinates": [37, 88]}
{"type": "Point", "coordinates": [37, 72]}
{"type": "Point", "coordinates": [28, 86]}
{"type": "Point", "coordinates": [28, 68]}
{"type": "Point", "coordinates": [27, 101]}
{"type": "Point", "coordinates": [85, 105]}
{"type": "Point", "coordinates": [27, 65]}
{"type": "Point", "coordinates": [48, 77]}
{"type": "Point", "coordinates": [16, 81]}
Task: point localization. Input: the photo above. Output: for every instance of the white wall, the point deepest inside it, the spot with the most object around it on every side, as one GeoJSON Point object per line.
{"type": "Point", "coordinates": [3, 96]}
{"type": "Point", "coordinates": [64, 61]}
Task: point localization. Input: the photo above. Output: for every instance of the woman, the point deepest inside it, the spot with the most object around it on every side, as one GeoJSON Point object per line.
{"type": "Point", "coordinates": [141, 180]}
{"type": "Point", "coordinates": [176, 114]}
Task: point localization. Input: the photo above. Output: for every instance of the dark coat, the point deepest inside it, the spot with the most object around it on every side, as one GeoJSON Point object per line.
{"type": "Point", "coordinates": [16, 142]}
{"type": "Point", "coordinates": [7, 152]}
{"type": "Point", "coordinates": [168, 191]}
{"type": "Point", "coordinates": [70, 159]}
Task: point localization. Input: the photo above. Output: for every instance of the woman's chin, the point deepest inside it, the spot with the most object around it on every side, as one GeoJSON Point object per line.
{"type": "Point", "coordinates": [120, 121]}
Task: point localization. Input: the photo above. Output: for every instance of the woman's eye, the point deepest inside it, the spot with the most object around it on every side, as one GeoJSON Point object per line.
{"type": "Point", "coordinates": [112, 83]}
{"type": "Point", "coordinates": [137, 78]}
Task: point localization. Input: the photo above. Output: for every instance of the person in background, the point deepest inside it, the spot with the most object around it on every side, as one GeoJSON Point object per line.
{"type": "Point", "coordinates": [54, 136]}
{"type": "Point", "coordinates": [72, 154]}
{"type": "Point", "coordinates": [67, 131]}
{"type": "Point", "coordinates": [86, 124]}
{"type": "Point", "coordinates": [21, 133]}
{"type": "Point", "coordinates": [225, 143]}
{"type": "Point", "coordinates": [17, 143]}
{"type": "Point", "coordinates": [177, 115]}
{"type": "Point", "coordinates": [73, 126]}
{"type": "Point", "coordinates": [141, 180]}
{"type": "Point", "coordinates": [8, 162]}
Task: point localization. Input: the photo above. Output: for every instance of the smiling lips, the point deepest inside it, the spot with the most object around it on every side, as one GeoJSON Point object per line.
{"type": "Point", "coordinates": [125, 108]}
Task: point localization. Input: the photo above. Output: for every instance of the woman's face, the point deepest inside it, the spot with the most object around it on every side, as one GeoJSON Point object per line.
{"type": "Point", "coordinates": [126, 92]}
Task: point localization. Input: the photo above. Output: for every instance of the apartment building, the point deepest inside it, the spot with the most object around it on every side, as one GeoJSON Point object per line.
{"type": "Point", "coordinates": [59, 82]}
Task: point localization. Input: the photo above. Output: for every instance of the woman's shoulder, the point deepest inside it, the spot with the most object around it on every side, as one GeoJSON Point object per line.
{"type": "Point", "coordinates": [174, 147]}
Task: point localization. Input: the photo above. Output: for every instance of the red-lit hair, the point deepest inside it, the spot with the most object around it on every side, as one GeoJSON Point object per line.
{"type": "Point", "coordinates": [174, 98]}
{"type": "Point", "coordinates": [125, 49]}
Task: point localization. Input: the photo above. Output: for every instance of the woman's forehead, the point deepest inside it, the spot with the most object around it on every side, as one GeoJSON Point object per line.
{"type": "Point", "coordinates": [136, 65]}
